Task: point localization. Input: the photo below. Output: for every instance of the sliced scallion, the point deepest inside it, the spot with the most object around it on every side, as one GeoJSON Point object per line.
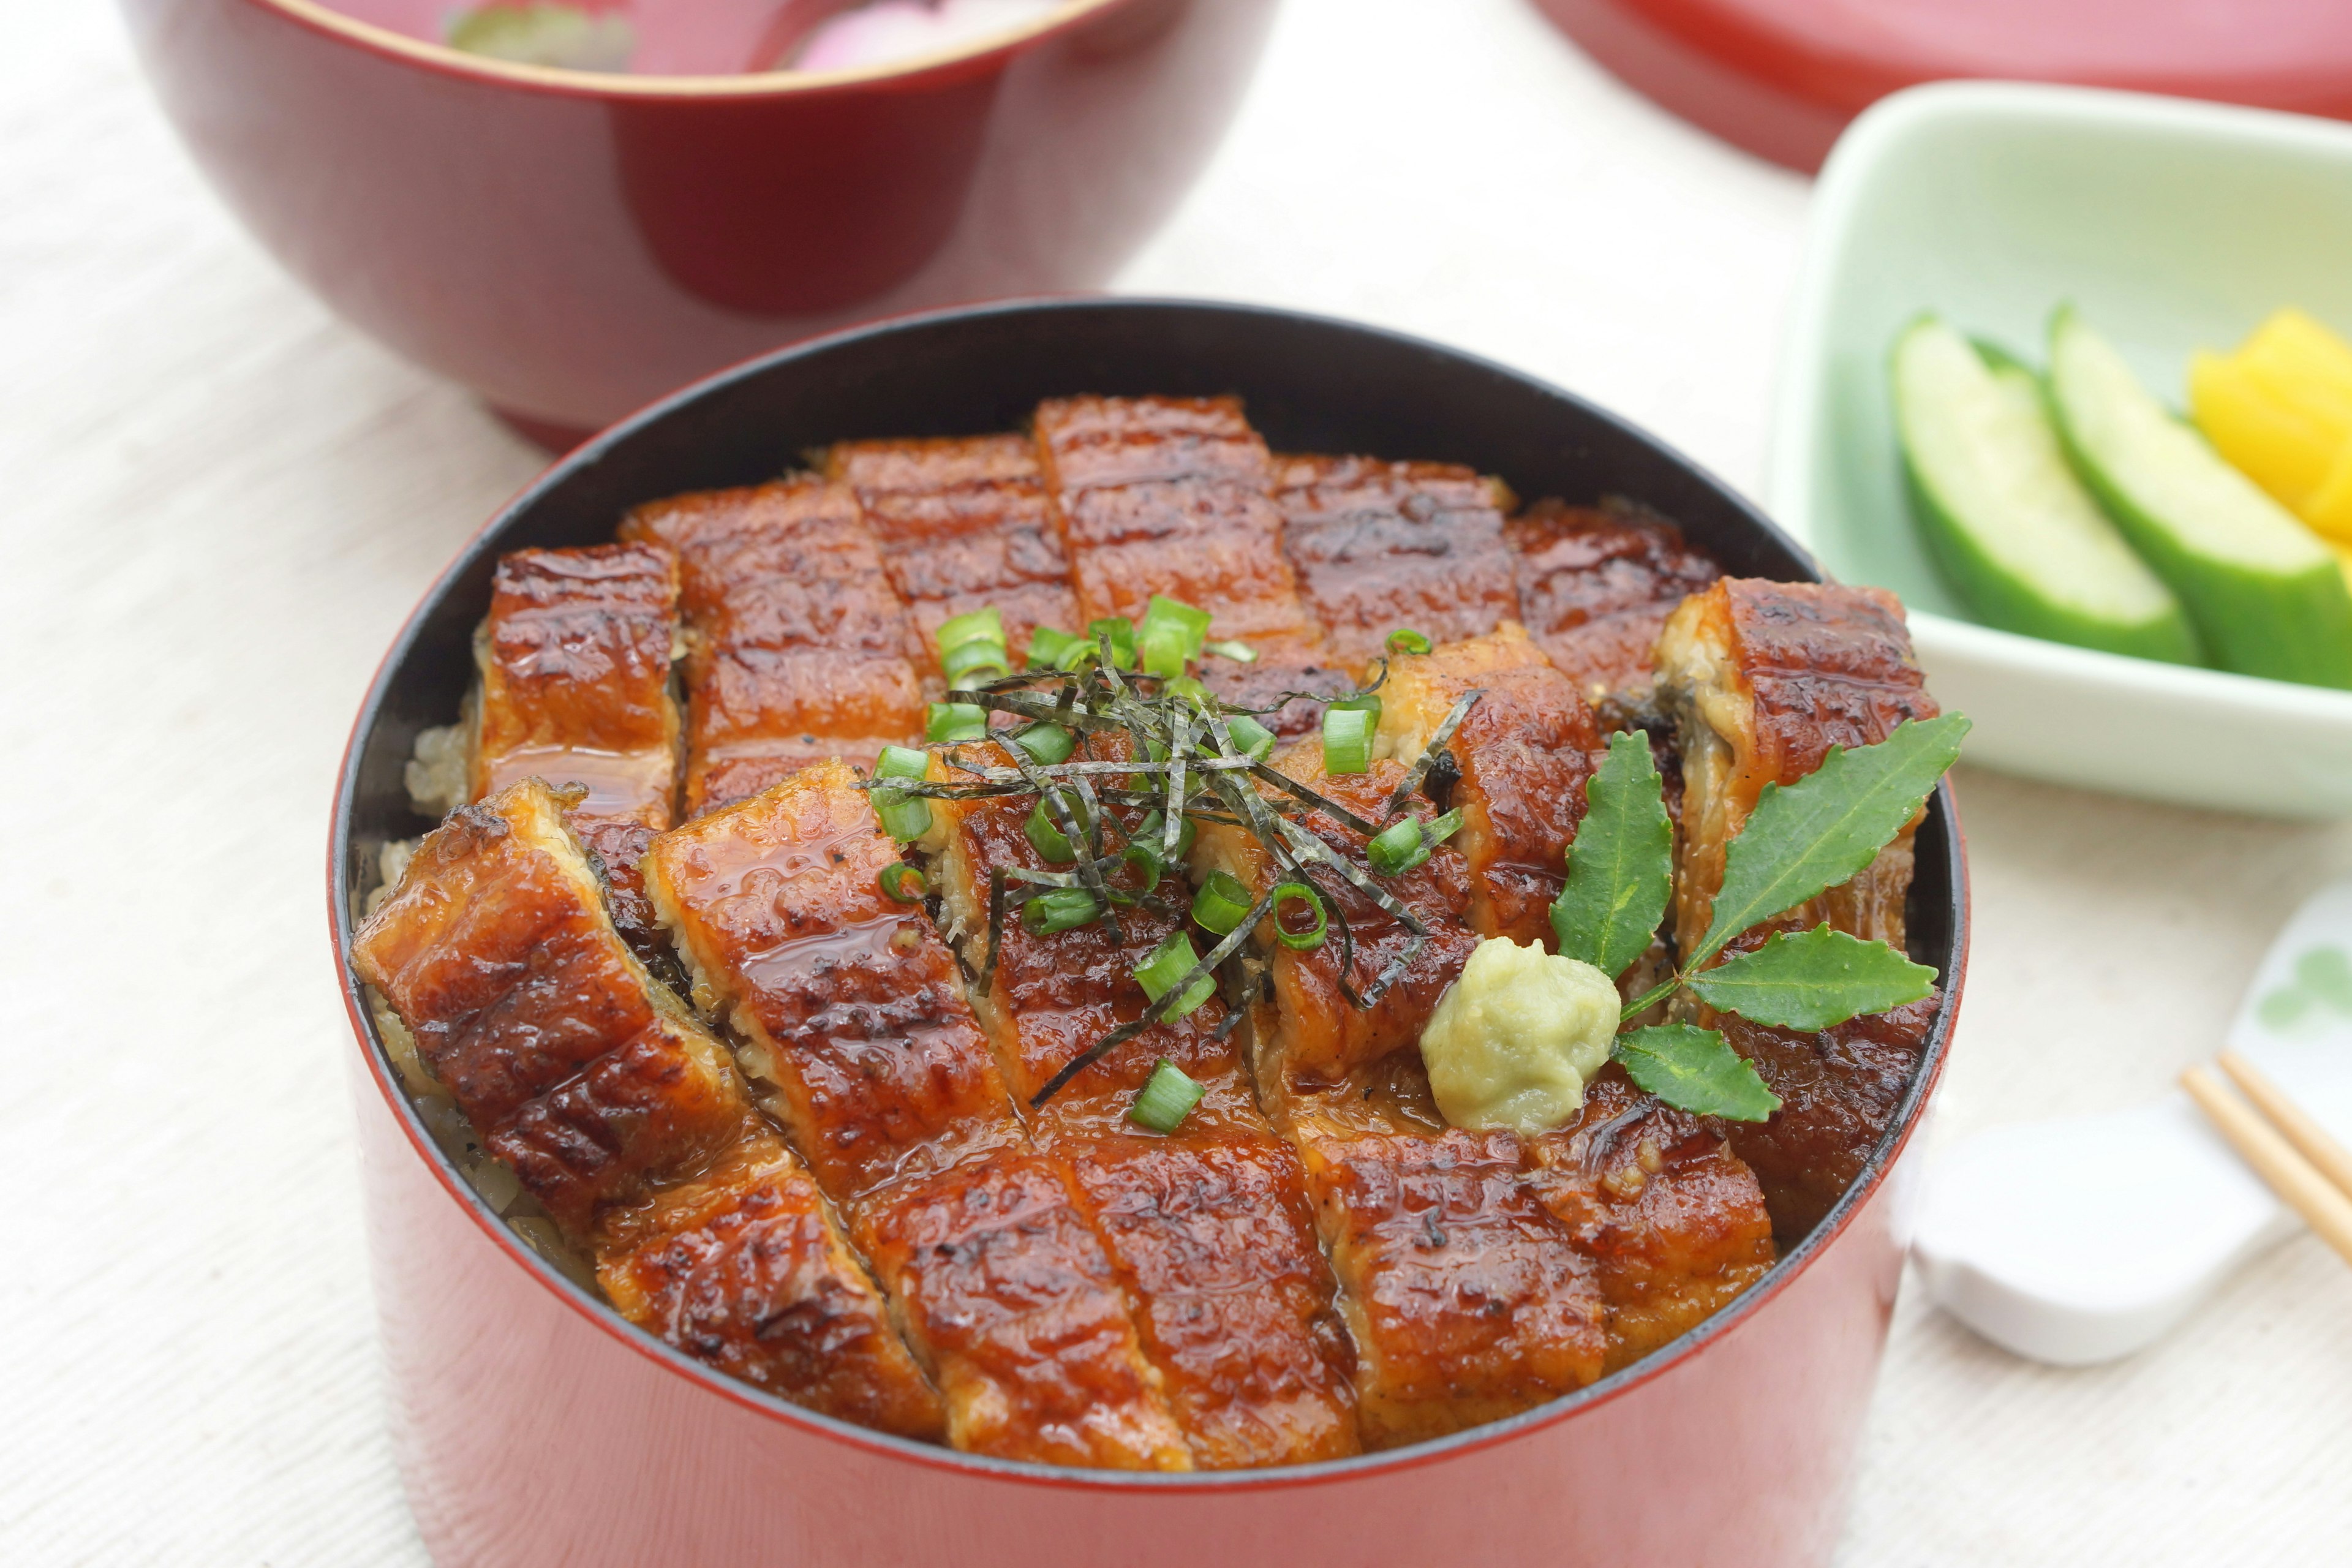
{"type": "Point", "coordinates": [1395, 850]}
{"type": "Point", "coordinates": [971, 646]}
{"type": "Point", "coordinates": [1153, 830]}
{"type": "Point", "coordinates": [1166, 967]}
{"type": "Point", "coordinates": [1121, 632]}
{"type": "Point", "coordinates": [1050, 647]}
{"type": "Point", "coordinates": [946, 722]}
{"type": "Point", "coordinates": [1251, 739]}
{"type": "Point", "coordinates": [1404, 639]}
{"type": "Point", "coordinates": [1298, 940]}
{"type": "Point", "coordinates": [1063, 909]}
{"type": "Point", "coordinates": [1348, 740]}
{"type": "Point", "coordinates": [1221, 904]}
{"type": "Point", "coordinates": [1048, 744]}
{"type": "Point", "coordinates": [1438, 829]}
{"type": "Point", "coordinates": [1189, 688]}
{"type": "Point", "coordinates": [901, 883]}
{"type": "Point", "coordinates": [1168, 1097]}
{"type": "Point", "coordinates": [1171, 636]}
{"type": "Point", "coordinates": [1239, 652]}
{"type": "Point", "coordinates": [1048, 840]}
{"type": "Point", "coordinates": [904, 816]}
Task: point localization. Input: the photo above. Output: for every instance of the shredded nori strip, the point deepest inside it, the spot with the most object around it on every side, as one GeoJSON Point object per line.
{"type": "Point", "coordinates": [1428, 758]}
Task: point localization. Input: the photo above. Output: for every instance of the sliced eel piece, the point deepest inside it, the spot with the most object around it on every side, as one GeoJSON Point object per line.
{"type": "Point", "coordinates": [798, 649]}
{"type": "Point", "coordinates": [615, 1107]}
{"type": "Point", "coordinates": [1174, 496]}
{"type": "Point", "coordinates": [963, 525]}
{"type": "Point", "coordinates": [1673, 1220]}
{"type": "Point", "coordinates": [744, 1269]}
{"type": "Point", "coordinates": [1596, 585]}
{"type": "Point", "coordinates": [854, 1023]}
{"type": "Point", "coordinates": [852, 1018]}
{"type": "Point", "coordinates": [1210, 1226]}
{"type": "Point", "coordinates": [574, 662]}
{"type": "Point", "coordinates": [1286, 687]}
{"type": "Point", "coordinates": [1467, 1298]}
{"type": "Point", "coordinates": [1839, 1091]}
{"type": "Point", "coordinates": [1313, 1034]}
{"type": "Point", "coordinates": [1381, 545]}
{"type": "Point", "coordinates": [1522, 757]}
{"type": "Point", "coordinates": [1764, 678]}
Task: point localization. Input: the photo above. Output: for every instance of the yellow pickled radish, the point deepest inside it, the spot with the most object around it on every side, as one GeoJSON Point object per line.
{"type": "Point", "coordinates": [2298, 358]}
{"type": "Point", "coordinates": [2329, 509]}
{"type": "Point", "coordinates": [2273, 440]}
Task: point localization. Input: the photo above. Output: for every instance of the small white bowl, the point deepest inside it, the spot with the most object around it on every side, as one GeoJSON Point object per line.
{"type": "Point", "coordinates": [2172, 226]}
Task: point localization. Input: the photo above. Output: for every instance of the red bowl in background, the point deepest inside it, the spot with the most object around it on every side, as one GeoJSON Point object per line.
{"type": "Point", "coordinates": [534, 1426]}
{"type": "Point", "coordinates": [571, 245]}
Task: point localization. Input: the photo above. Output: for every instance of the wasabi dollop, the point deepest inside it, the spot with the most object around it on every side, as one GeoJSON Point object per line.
{"type": "Point", "coordinates": [1514, 1041]}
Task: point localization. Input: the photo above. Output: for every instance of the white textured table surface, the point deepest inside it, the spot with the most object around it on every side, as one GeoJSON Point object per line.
{"type": "Point", "coordinates": [219, 503]}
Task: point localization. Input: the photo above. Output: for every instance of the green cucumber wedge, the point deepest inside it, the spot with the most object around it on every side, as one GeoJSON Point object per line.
{"type": "Point", "coordinates": [2266, 595]}
{"type": "Point", "coordinates": [2003, 515]}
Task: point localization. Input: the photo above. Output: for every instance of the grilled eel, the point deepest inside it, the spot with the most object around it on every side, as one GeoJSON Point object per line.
{"type": "Point", "coordinates": [798, 647]}
{"type": "Point", "coordinates": [621, 1114]}
{"type": "Point", "coordinates": [1762, 678]}
{"type": "Point", "coordinates": [1595, 587]}
{"type": "Point", "coordinates": [855, 1028]}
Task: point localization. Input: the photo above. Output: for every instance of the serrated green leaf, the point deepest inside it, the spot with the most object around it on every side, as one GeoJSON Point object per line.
{"type": "Point", "coordinates": [1621, 868]}
{"type": "Point", "coordinates": [1824, 828]}
{"type": "Point", "coordinates": [1812, 979]}
{"type": "Point", "coordinates": [1696, 1070]}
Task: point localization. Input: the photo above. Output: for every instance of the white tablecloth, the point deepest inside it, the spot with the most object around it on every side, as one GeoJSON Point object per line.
{"type": "Point", "coordinates": [219, 502]}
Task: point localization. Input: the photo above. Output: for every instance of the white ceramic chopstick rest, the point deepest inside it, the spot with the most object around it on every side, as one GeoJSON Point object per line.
{"type": "Point", "coordinates": [2081, 1240]}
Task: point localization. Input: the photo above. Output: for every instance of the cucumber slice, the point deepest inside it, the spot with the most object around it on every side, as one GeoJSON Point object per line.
{"type": "Point", "coordinates": [2264, 592]}
{"type": "Point", "coordinates": [2004, 516]}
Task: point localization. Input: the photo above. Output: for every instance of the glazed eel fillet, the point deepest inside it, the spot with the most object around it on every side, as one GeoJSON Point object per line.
{"type": "Point", "coordinates": [1175, 496]}
{"type": "Point", "coordinates": [1210, 1225]}
{"type": "Point", "coordinates": [798, 647]}
{"type": "Point", "coordinates": [853, 1022]}
{"type": "Point", "coordinates": [1605, 1239]}
{"type": "Point", "coordinates": [1379, 545]}
{"type": "Point", "coordinates": [623, 1116]}
{"type": "Point", "coordinates": [1595, 587]}
{"type": "Point", "coordinates": [1763, 678]}
{"type": "Point", "coordinates": [962, 524]}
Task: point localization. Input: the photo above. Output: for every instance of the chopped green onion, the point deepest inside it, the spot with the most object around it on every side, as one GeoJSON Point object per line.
{"type": "Point", "coordinates": [1048, 744]}
{"type": "Point", "coordinates": [1063, 909]}
{"type": "Point", "coordinates": [901, 883]}
{"type": "Point", "coordinates": [1121, 632]}
{"type": "Point", "coordinates": [945, 721]}
{"type": "Point", "coordinates": [904, 816]}
{"type": "Point", "coordinates": [1188, 688]}
{"type": "Point", "coordinates": [1348, 740]}
{"type": "Point", "coordinates": [1251, 739]}
{"type": "Point", "coordinates": [1239, 652]}
{"type": "Point", "coordinates": [1166, 1098]}
{"type": "Point", "coordinates": [972, 643]}
{"type": "Point", "coordinates": [1145, 857]}
{"type": "Point", "coordinates": [1153, 830]}
{"type": "Point", "coordinates": [1369, 702]}
{"type": "Point", "coordinates": [1298, 940]}
{"type": "Point", "coordinates": [1049, 841]}
{"type": "Point", "coordinates": [1395, 850]}
{"type": "Point", "coordinates": [1221, 904]}
{"type": "Point", "coordinates": [1438, 829]}
{"type": "Point", "coordinates": [1404, 639]}
{"type": "Point", "coordinates": [1171, 636]}
{"type": "Point", "coordinates": [1169, 964]}
{"type": "Point", "coordinates": [1050, 647]}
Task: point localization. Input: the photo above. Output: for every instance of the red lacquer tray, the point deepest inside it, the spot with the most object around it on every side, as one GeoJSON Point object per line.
{"type": "Point", "coordinates": [1782, 77]}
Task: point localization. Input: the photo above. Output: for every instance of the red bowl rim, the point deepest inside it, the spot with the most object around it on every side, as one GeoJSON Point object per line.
{"type": "Point", "coordinates": [1783, 1272]}
{"type": "Point", "coordinates": [563, 81]}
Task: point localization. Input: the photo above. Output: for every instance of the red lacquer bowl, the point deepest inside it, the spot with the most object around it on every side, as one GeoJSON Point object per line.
{"type": "Point", "coordinates": [534, 1427]}
{"type": "Point", "coordinates": [572, 245]}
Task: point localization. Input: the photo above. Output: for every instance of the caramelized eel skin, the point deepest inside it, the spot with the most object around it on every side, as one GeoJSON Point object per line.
{"type": "Point", "coordinates": [1210, 1226]}
{"type": "Point", "coordinates": [850, 1014]}
{"type": "Point", "coordinates": [1673, 1220]}
{"type": "Point", "coordinates": [1524, 754]}
{"type": "Point", "coordinates": [624, 1117]}
{"type": "Point", "coordinates": [1839, 1091]}
{"type": "Point", "coordinates": [799, 649]}
{"type": "Point", "coordinates": [1382, 545]}
{"type": "Point", "coordinates": [1595, 587]}
{"type": "Point", "coordinates": [575, 659]}
{"type": "Point", "coordinates": [962, 524]}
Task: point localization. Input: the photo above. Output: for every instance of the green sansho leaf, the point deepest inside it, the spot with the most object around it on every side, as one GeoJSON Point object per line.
{"type": "Point", "coordinates": [1825, 827]}
{"type": "Point", "coordinates": [1621, 868]}
{"type": "Point", "coordinates": [1812, 979]}
{"type": "Point", "coordinates": [1696, 1070]}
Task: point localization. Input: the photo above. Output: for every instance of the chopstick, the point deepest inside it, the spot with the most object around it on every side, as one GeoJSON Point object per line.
{"type": "Point", "coordinates": [2299, 1181]}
